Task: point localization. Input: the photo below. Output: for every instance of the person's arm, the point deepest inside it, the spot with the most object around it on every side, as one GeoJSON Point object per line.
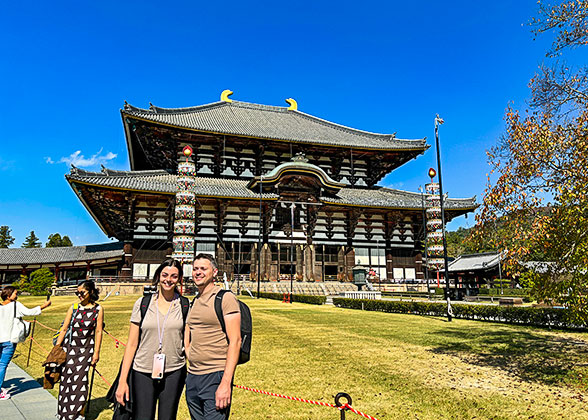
{"type": "Point", "coordinates": [187, 341]}
{"type": "Point", "coordinates": [122, 392]}
{"type": "Point", "coordinates": [98, 336]}
{"type": "Point", "coordinates": [64, 327]}
{"type": "Point", "coordinates": [233, 327]}
{"type": "Point", "coordinates": [24, 311]}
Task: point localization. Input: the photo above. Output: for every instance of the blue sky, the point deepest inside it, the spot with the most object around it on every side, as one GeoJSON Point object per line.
{"type": "Point", "coordinates": [390, 66]}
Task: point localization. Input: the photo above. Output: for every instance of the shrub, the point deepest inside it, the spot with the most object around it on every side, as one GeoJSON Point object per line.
{"type": "Point", "coordinates": [314, 300]}
{"type": "Point", "coordinates": [505, 292]}
{"type": "Point", "coordinates": [543, 317]}
{"type": "Point", "coordinates": [38, 283]}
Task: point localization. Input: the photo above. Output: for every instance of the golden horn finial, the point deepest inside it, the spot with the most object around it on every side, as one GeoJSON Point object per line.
{"type": "Point", "coordinates": [225, 95]}
{"type": "Point", "coordinates": [293, 104]}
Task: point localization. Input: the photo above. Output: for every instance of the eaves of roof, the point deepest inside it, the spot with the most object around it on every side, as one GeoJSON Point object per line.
{"type": "Point", "coordinates": [161, 182]}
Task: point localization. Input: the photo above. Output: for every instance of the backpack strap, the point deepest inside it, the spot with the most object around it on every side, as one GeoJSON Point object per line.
{"type": "Point", "coordinates": [218, 308]}
{"type": "Point", "coordinates": [185, 303]}
{"type": "Point", "coordinates": [144, 306]}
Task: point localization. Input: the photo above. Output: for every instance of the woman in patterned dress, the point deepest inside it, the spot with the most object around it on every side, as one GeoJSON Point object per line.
{"type": "Point", "coordinates": [82, 351]}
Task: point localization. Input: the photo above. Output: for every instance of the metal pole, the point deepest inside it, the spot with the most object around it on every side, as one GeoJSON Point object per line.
{"type": "Point", "coordinates": [499, 258]}
{"type": "Point", "coordinates": [422, 190]}
{"type": "Point", "coordinates": [87, 412]}
{"type": "Point", "coordinates": [259, 243]}
{"type": "Point", "coordinates": [32, 337]}
{"type": "Point", "coordinates": [239, 265]}
{"type": "Point", "coordinates": [292, 206]}
{"type": "Point", "coordinates": [439, 121]}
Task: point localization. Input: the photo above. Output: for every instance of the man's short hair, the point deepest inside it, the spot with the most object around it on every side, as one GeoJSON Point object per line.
{"type": "Point", "coordinates": [208, 257]}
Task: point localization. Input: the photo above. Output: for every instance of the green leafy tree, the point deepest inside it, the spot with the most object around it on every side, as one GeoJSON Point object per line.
{"type": "Point", "coordinates": [40, 281]}
{"type": "Point", "coordinates": [31, 241]}
{"type": "Point", "coordinates": [538, 185]}
{"type": "Point", "coordinates": [6, 239]}
{"type": "Point", "coordinates": [56, 240]}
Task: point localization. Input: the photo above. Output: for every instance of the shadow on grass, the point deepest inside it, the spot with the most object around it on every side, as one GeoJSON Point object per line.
{"type": "Point", "coordinates": [97, 406]}
{"type": "Point", "coordinates": [525, 355]}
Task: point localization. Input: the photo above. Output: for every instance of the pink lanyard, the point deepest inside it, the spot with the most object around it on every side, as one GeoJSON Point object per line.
{"type": "Point", "coordinates": [161, 331]}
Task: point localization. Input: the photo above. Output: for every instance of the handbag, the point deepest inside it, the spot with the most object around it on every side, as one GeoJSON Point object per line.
{"type": "Point", "coordinates": [20, 329]}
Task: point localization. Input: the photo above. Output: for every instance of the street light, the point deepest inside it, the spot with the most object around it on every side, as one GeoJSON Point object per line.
{"type": "Point", "coordinates": [438, 122]}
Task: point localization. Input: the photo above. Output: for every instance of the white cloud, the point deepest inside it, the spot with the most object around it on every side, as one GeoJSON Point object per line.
{"type": "Point", "coordinates": [79, 160]}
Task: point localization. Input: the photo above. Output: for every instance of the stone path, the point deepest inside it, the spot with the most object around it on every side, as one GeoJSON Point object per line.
{"type": "Point", "coordinates": [29, 400]}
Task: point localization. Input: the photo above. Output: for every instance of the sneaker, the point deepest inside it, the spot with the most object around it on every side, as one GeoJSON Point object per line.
{"type": "Point", "coordinates": [4, 395]}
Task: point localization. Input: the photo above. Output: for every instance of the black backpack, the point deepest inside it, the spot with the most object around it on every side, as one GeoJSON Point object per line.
{"type": "Point", "coordinates": [246, 328]}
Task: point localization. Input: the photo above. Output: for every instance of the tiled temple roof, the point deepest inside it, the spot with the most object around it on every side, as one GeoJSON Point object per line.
{"type": "Point", "coordinates": [472, 262]}
{"type": "Point", "coordinates": [28, 256]}
{"type": "Point", "coordinates": [269, 122]}
{"type": "Point", "coordinates": [160, 181]}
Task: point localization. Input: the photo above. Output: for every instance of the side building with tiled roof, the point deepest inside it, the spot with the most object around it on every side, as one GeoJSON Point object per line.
{"type": "Point", "coordinates": [273, 185]}
{"type": "Point", "coordinates": [67, 263]}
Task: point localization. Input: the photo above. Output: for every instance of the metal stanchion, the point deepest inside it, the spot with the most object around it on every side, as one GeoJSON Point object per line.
{"type": "Point", "coordinates": [339, 404]}
{"type": "Point", "coordinates": [90, 391]}
{"type": "Point", "coordinates": [31, 340]}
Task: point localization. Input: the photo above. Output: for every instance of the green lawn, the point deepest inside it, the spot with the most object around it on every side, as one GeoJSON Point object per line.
{"type": "Point", "coordinates": [393, 366]}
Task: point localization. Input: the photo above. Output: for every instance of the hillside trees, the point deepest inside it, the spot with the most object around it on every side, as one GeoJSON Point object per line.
{"type": "Point", "coordinates": [538, 185]}
{"type": "Point", "coordinates": [56, 240]}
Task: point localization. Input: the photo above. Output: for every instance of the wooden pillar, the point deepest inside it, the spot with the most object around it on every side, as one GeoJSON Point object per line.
{"type": "Point", "coordinates": [309, 263]}
{"type": "Point", "coordinates": [299, 261]}
{"type": "Point", "coordinates": [389, 264]}
{"type": "Point", "coordinates": [126, 272]}
{"type": "Point", "coordinates": [88, 270]}
{"type": "Point", "coordinates": [254, 273]}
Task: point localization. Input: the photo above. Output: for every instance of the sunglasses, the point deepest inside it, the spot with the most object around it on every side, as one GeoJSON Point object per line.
{"type": "Point", "coordinates": [81, 294]}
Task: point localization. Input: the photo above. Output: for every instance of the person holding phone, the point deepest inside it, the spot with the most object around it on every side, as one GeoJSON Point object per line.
{"type": "Point", "coordinates": [9, 295]}
{"type": "Point", "coordinates": [83, 327]}
{"type": "Point", "coordinates": [154, 357]}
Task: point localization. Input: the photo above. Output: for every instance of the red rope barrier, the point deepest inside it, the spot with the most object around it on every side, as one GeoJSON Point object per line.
{"type": "Point", "coordinates": [116, 340]}
{"type": "Point", "coordinates": [102, 377]}
{"type": "Point", "coordinates": [37, 343]}
{"type": "Point", "coordinates": [367, 416]}
{"type": "Point", "coordinates": [45, 326]}
{"type": "Point", "coordinates": [324, 404]}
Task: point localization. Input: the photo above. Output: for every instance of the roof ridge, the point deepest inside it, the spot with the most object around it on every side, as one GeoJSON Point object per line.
{"type": "Point", "coordinates": [161, 110]}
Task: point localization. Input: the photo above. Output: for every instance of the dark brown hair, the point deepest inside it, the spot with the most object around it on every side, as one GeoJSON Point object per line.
{"type": "Point", "coordinates": [7, 291]}
{"type": "Point", "coordinates": [170, 262]}
{"type": "Point", "coordinates": [208, 257]}
{"type": "Point", "coordinates": [90, 287]}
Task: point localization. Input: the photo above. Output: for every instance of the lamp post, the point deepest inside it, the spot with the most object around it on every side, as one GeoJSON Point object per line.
{"type": "Point", "coordinates": [438, 122]}
{"type": "Point", "coordinates": [239, 266]}
{"type": "Point", "coordinates": [259, 242]}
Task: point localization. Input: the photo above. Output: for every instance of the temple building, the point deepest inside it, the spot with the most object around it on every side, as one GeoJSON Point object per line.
{"type": "Point", "coordinates": [276, 191]}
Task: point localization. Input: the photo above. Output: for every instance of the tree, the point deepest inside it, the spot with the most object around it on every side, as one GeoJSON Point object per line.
{"type": "Point", "coordinates": [40, 281]}
{"type": "Point", "coordinates": [6, 239]}
{"type": "Point", "coordinates": [540, 191]}
{"type": "Point", "coordinates": [31, 241]}
{"type": "Point", "coordinates": [55, 240]}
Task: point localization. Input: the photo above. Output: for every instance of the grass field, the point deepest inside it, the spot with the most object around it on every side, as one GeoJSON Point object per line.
{"type": "Point", "coordinates": [393, 366]}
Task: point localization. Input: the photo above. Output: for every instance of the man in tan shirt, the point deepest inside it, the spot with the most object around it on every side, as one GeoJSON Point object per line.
{"type": "Point", "coordinates": [211, 354]}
